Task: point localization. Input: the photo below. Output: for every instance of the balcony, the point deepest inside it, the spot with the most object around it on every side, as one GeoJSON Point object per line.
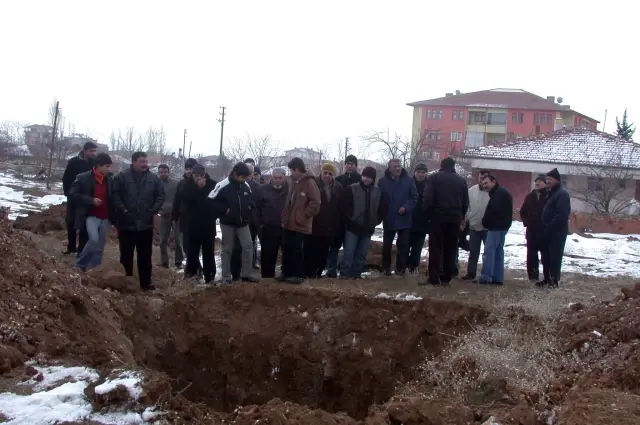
{"type": "Point", "coordinates": [487, 118]}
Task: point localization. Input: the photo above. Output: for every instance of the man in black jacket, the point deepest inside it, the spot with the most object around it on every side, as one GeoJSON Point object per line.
{"type": "Point", "coordinates": [497, 220]}
{"type": "Point", "coordinates": [419, 222]}
{"type": "Point", "coordinates": [138, 196]}
{"type": "Point", "coordinates": [446, 200]}
{"type": "Point", "coordinates": [92, 194]}
{"type": "Point", "coordinates": [531, 216]}
{"type": "Point", "coordinates": [349, 177]}
{"type": "Point", "coordinates": [76, 165]}
{"type": "Point", "coordinates": [272, 201]}
{"type": "Point", "coordinates": [234, 205]}
{"type": "Point", "coordinates": [178, 209]}
{"type": "Point", "coordinates": [200, 219]}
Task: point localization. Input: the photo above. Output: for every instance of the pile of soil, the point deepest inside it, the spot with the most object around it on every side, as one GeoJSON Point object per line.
{"type": "Point", "coordinates": [51, 219]}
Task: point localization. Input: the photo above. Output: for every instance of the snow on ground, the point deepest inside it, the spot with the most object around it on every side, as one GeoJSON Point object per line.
{"type": "Point", "coordinates": [20, 202]}
{"type": "Point", "coordinates": [58, 396]}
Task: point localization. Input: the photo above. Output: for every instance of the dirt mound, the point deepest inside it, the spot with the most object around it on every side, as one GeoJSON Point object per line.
{"type": "Point", "coordinates": [51, 219]}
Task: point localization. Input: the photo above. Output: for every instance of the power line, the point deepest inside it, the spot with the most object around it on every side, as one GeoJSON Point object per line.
{"type": "Point", "coordinates": [53, 141]}
{"type": "Point", "coordinates": [221, 121]}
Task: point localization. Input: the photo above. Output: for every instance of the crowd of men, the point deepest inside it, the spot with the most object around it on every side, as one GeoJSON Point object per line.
{"type": "Point", "coordinates": [307, 220]}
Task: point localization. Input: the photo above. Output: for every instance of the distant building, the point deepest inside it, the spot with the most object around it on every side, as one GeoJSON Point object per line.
{"type": "Point", "coordinates": [37, 134]}
{"type": "Point", "coordinates": [306, 154]}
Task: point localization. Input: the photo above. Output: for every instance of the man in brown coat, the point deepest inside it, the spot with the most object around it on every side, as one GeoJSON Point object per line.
{"type": "Point", "coordinates": [303, 203]}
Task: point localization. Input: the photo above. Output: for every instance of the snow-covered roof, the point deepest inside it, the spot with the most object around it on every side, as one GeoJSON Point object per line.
{"type": "Point", "coordinates": [579, 146]}
{"type": "Point", "coordinates": [459, 169]}
{"type": "Point", "coordinates": [19, 150]}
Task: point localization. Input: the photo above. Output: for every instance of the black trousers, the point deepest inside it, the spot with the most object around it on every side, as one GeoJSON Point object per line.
{"type": "Point", "coordinates": [142, 243]}
{"type": "Point", "coordinates": [316, 251]}
{"type": "Point", "coordinates": [292, 254]}
{"type": "Point", "coordinates": [552, 253]}
{"type": "Point", "coordinates": [402, 245]}
{"type": "Point", "coordinates": [416, 243]}
{"type": "Point", "coordinates": [201, 240]}
{"type": "Point", "coordinates": [534, 246]}
{"type": "Point", "coordinates": [443, 244]}
{"type": "Point", "coordinates": [75, 243]}
{"type": "Point", "coordinates": [270, 244]}
{"type": "Point", "coordinates": [185, 244]}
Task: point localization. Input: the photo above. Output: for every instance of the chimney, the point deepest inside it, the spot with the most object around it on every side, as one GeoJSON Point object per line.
{"type": "Point", "coordinates": [551, 99]}
{"type": "Point", "coordinates": [448, 94]}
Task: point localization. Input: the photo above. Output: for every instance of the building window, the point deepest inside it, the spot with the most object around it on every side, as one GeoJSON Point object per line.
{"type": "Point", "coordinates": [434, 114]}
{"type": "Point", "coordinates": [496, 118]}
{"type": "Point", "coordinates": [474, 139]}
{"type": "Point", "coordinates": [622, 184]}
{"type": "Point", "coordinates": [517, 118]}
{"type": "Point", "coordinates": [456, 136]}
{"type": "Point", "coordinates": [433, 135]}
{"type": "Point", "coordinates": [440, 114]}
{"type": "Point", "coordinates": [458, 115]}
{"type": "Point", "coordinates": [513, 136]}
{"type": "Point", "coordinates": [477, 117]}
{"type": "Point", "coordinates": [431, 155]}
{"type": "Point", "coordinates": [495, 137]}
{"type": "Point", "coordinates": [595, 184]}
{"type": "Point", "coordinates": [542, 118]}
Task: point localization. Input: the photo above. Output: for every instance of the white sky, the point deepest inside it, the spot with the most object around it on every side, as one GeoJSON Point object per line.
{"type": "Point", "coordinates": [308, 73]}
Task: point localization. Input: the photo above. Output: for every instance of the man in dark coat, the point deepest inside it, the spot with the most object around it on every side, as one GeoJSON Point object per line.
{"type": "Point", "coordinates": [349, 177]}
{"type": "Point", "coordinates": [401, 192]}
{"type": "Point", "coordinates": [92, 194]}
{"type": "Point", "coordinates": [531, 216]}
{"type": "Point", "coordinates": [446, 200]}
{"type": "Point", "coordinates": [76, 165]}
{"type": "Point", "coordinates": [178, 209]}
{"type": "Point", "coordinates": [200, 219]}
{"type": "Point", "coordinates": [555, 228]}
{"type": "Point", "coordinates": [138, 196]}
{"type": "Point", "coordinates": [272, 202]}
{"type": "Point", "coordinates": [326, 224]}
{"type": "Point", "coordinates": [497, 220]}
{"type": "Point", "coordinates": [420, 221]}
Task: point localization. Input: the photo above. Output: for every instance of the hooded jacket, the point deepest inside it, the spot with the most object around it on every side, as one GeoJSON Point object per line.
{"type": "Point", "coordinates": [236, 198]}
{"type": "Point", "coordinates": [400, 193]}
{"type": "Point", "coordinates": [199, 210]}
{"type": "Point", "coordinates": [303, 203]}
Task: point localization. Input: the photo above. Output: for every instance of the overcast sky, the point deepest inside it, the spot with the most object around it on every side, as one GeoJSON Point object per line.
{"type": "Point", "coordinates": [307, 73]}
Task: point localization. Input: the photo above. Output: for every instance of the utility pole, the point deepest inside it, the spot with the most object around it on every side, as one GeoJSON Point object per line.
{"type": "Point", "coordinates": [53, 141]}
{"type": "Point", "coordinates": [190, 143]}
{"type": "Point", "coordinates": [184, 142]}
{"type": "Point", "coordinates": [221, 121]}
{"type": "Point", "coordinates": [604, 124]}
{"type": "Point", "coordinates": [346, 147]}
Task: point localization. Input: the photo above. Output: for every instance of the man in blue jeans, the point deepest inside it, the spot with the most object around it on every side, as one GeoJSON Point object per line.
{"type": "Point", "coordinates": [91, 192]}
{"type": "Point", "coordinates": [365, 207]}
{"type": "Point", "coordinates": [497, 220]}
{"type": "Point", "coordinates": [478, 200]}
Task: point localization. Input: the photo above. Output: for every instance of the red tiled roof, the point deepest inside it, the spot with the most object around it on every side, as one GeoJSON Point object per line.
{"type": "Point", "coordinates": [578, 146]}
{"type": "Point", "coordinates": [497, 98]}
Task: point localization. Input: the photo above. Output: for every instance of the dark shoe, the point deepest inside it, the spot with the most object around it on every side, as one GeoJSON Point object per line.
{"type": "Point", "coordinates": [225, 283]}
{"type": "Point", "coordinates": [387, 272]}
{"type": "Point", "coordinates": [331, 275]}
{"type": "Point", "coordinates": [281, 278]}
{"type": "Point", "coordinates": [344, 277]}
{"type": "Point", "coordinates": [542, 283]}
{"type": "Point", "coordinates": [553, 283]}
{"type": "Point", "coordinates": [294, 280]}
{"type": "Point", "coordinates": [250, 279]}
{"type": "Point", "coordinates": [68, 251]}
{"type": "Point", "coordinates": [497, 283]}
{"type": "Point", "coordinates": [434, 282]}
{"type": "Point", "coordinates": [468, 277]}
{"type": "Point", "coordinates": [483, 282]}
{"type": "Point", "coordinates": [164, 266]}
{"type": "Point", "coordinates": [150, 287]}
{"type": "Point", "coordinates": [256, 267]}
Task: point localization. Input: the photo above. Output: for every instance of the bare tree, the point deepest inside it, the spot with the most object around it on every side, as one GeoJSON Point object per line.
{"type": "Point", "coordinates": [398, 147]}
{"type": "Point", "coordinates": [263, 150]}
{"type": "Point", "coordinates": [12, 132]}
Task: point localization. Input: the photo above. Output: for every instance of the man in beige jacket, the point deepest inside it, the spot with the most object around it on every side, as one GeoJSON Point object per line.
{"type": "Point", "coordinates": [478, 200]}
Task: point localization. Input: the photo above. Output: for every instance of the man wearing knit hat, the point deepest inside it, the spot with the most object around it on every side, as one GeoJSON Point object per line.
{"type": "Point", "coordinates": [420, 221]}
{"type": "Point", "coordinates": [349, 177]}
{"type": "Point", "coordinates": [365, 206]}
{"type": "Point", "coordinates": [326, 224]}
{"type": "Point", "coordinates": [530, 214]}
{"type": "Point", "coordinates": [555, 228]}
{"type": "Point", "coordinates": [178, 208]}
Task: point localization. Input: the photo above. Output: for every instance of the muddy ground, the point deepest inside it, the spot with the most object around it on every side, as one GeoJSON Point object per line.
{"type": "Point", "coordinates": [327, 352]}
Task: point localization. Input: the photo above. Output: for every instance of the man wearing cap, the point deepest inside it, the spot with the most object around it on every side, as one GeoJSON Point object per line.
{"type": "Point", "coordinates": [530, 214]}
{"type": "Point", "coordinates": [178, 209]}
{"type": "Point", "coordinates": [200, 217]}
{"type": "Point", "coordinates": [166, 223]}
{"type": "Point", "coordinates": [326, 224]}
{"type": "Point", "coordinates": [365, 206]}
{"type": "Point", "coordinates": [555, 228]}
{"type": "Point", "coordinates": [349, 177]}
{"type": "Point", "coordinates": [478, 200]}
{"type": "Point", "coordinates": [420, 221]}
{"type": "Point", "coordinates": [273, 197]}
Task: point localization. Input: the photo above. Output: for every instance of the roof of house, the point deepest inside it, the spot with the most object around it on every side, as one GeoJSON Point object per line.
{"type": "Point", "coordinates": [579, 146]}
{"type": "Point", "coordinates": [497, 98]}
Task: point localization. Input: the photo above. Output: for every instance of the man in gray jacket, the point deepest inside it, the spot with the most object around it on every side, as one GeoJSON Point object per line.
{"type": "Point", "coordinates": [138, 196]}
{"type": "Point", "coordinates": [478, 200]}
{"type": "Point", "coordinates": [166, 224]}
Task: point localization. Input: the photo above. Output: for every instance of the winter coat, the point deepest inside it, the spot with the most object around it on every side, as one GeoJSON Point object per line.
{"type": "Point", "coordinates": [531, 212]}
{"type": "Point", "coordinates": [499, 212]}
{"type": "Point", "coordinates": [76, 165]}
{"type": "Point", "coordinates": [138, 197]}
{"type": "Point", "coordinates": [401, 193]}
{"type": "Point", "coordinates": [478, 200]}
{"type": "Point", "coordinates": [446, 197]}
{"type": "Point", "coordinates": [235, 197]}
{"type": "Point", "coordinates": [271, 206]}
{"type": "Point", "coordinates": [303, 203]}
{"type": "Point", "coordinates": [82, 192]}
{"type": "Point", "coordinates": [255, 198]}
{"type": "Point", "coordinates": [556, 212]}
{"type": "Point", "coordinates": [178, 208]}
{"type": "Point", "coordinates": [329, 220]}
{"type": "Point", "coordinates": [420, 219]}
{"type": "Point", "coordinates": [170, 188]}
{"type": "Point", "coordinates": [199, 210]}
{"type": "Point", "coordinates": [364, 208]}
{"type": "Point", "coordinates": [347, 179]}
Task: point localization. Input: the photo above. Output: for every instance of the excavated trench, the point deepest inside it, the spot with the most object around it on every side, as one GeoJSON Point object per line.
{"type": "Point", "coordinates": [249, 344]}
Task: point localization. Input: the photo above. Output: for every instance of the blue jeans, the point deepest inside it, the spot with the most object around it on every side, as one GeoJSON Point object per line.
{"type": "Point", "coordinates": [476, 239]}
{"type": "Point", "coordinates": [354, 254]}
{"type": "Point", "coordinates": [493, 257]}
{"type": "Point", "coordinates": [91, 255]}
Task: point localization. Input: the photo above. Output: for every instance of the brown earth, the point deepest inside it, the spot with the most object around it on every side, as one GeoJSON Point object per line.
{"type": "Point", "coordinates": [301, 355]}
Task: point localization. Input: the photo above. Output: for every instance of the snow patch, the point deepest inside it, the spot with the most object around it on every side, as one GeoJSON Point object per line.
{"type": "Point", "coordinates": [399, 297]}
